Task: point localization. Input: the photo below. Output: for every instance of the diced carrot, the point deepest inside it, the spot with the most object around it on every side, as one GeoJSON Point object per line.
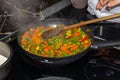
{"type": "Point", "coordinates": [46, 49]}
{"type": "Point", "coordinates": [86, 43]}
{"type": "Point", "coordinates": [57, 53]}
{"type": "Point", "coordinates": [67, 51]}
{"type": "Point", "coordinates": [75, 34]}
{"type": "Point", "coordinates": [37, 30]}
{"type": "Point", "coordinates": [36, 35]}
{"type": "Point", "coordinates": [68, 46]}
{"type": "Point", "coordinates": [37, 41]}
{"type": "Point", "coordinates": [74, 46]}
{"type": "Point", "coordinates": [26, 35]}
{"type": "Point", "coordinates": [83, 39]}
{"type": "Point", "coordinates": [45, 55]}
{"type": "Point", "coordinates": [63, 48]}
{"type": "Point", "coordinates": [24, 42]}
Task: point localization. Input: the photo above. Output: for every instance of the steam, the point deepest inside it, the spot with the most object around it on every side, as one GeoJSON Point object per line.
{"type": "Point", "coordinates": [20, 12]}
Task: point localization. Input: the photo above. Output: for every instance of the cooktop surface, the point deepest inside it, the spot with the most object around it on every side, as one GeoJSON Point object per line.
{"type": "Point", "coordinates": [90, 67]}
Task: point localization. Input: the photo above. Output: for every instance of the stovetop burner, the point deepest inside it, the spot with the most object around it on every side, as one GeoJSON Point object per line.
{"type": "Point", "coordinates": [88, 68]}
{"type": "Point", "coordinates": [105, 63]}
{"type": "Point", "coordinates": [100, 71]}
{"type": "Point", "coordinates": [111, 55]}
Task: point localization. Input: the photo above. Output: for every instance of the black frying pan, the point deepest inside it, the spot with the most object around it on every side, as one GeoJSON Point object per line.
{"type": "Point", "coordinates": [52, 62]}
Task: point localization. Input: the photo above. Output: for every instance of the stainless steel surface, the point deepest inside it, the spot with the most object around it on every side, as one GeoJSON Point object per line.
{"type": "Point", "coordinates": [4, 50]}
{"type": "Point", "coordinates": [5, 67]}
{"type": "Point", "coordinates": [103, 44]}
{"type": "Point", "coordinates": [9, 36]}
{"type": "Point", "coordinates": [54, 78]}
{"type": "Point", "coordinates": [54, 8]}
{"type": "Point", "coordinates": [102, 39]}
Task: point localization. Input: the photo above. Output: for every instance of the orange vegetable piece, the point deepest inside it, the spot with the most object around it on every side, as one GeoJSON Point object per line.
{"type": "Point", "coordinates": [67, 51]}
{"type": "Point", "coordinates": [46, 49]}
{"type": "Point", "coordinates": [74, 46]}
{"type": "Point", "coordinates": [83, 39]}
{"type": "Point", "coordinates": [76, 34]}
{"type": "Point", "coordinates": [26, 35]}
{"type": "Point", "coordinates": [86, 43]}
{"type": "Point", "coordinates": [24, 42]}
{"type": "Point", "coordinates": [37, 30]}
{"type": "Point", "coordinates": [45, 55]}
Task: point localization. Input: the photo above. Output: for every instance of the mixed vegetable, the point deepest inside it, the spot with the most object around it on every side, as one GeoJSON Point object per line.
{"type": "Point", "coordinates": [67, 43]}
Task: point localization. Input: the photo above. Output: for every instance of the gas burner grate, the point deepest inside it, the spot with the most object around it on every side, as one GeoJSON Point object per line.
{"type": "Point", "coordinates": [6, 36]}
{"type": "Point", "coordinates": [97, 70]}
{"type": "Point", "coordinates": [111, 55]}
{"type": "Point", "coordinates": [98, 67]}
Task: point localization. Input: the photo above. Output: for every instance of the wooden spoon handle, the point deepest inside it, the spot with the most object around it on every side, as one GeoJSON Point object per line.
{"type": "Point", "coordinates": [93, 21]}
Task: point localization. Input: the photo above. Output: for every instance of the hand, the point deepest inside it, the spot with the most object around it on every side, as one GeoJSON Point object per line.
{"type": "Point", "coordinates": [109, 3]}
{"type": "Point", "coordinates": [79, 4]}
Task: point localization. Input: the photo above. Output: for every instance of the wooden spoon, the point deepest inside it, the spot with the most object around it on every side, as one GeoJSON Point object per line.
{"type": "Point", "coordinates": [54, 32]}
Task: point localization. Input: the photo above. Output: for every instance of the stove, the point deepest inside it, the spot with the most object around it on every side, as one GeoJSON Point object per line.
{"type": "Point", "coordinates": [91, 67]}
{"type": "Point", "coordinates": [97, 69]}
{"type": "Point", "coordinates": [23, 70]}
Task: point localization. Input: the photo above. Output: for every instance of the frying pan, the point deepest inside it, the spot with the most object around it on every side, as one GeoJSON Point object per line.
{"type": "Point", "coordinates": [55, 62]}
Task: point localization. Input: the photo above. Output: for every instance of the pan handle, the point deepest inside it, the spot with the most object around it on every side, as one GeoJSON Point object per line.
{"type": "Point", "coordinates": [97, 45]}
